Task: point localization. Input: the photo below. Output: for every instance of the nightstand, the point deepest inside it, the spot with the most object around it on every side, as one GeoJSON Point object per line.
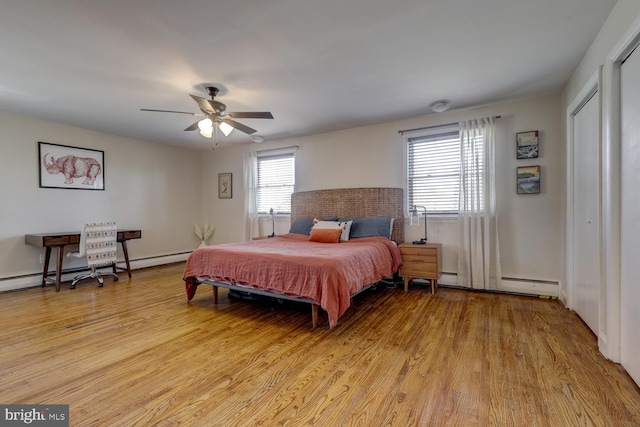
{"type": "Point", "coordinates": [421, 262]}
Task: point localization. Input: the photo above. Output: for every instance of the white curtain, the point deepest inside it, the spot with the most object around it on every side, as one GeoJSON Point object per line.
{"type": "Point", "coordinates": [250, 200]}
{"type": "Point", "coordinates": [478, 245]}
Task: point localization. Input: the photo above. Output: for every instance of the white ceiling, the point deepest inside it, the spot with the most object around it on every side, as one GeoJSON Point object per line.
{"type": "Point", "coordinates": [317, 65]}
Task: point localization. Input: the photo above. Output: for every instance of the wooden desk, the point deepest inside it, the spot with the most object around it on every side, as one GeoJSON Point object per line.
{"type": "Point", "coordinates": [60, 240]}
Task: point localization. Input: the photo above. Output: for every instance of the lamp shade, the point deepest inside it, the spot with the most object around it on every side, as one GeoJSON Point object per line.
{"type": "Point", "coordinates": [225, 128]}
{"type": "Point", "coordinates": [206, 127]}
{"type": "Point", "coordinates": [205, 124]}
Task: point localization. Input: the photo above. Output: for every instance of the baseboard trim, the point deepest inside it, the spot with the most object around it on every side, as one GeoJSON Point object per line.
{"type": "Point", "coordinates": [512, 285]}
{"type": "Point", "coordinates": [35, 279]}
{"type": "Point", "coordinates": [530, 287]}
{"type": "Point", "coordinates": [509, 285]}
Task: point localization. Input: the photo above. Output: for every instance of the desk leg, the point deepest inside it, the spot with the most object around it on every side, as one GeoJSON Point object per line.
{"type": "Point", "coordinates": [47, 257]}
{"type": "Point", "coordinates": [126, 257]}
{"type": "Point", "coordinates": [59, 268]}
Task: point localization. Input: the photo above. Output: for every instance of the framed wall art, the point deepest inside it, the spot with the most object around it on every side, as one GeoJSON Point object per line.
{"type": "Point", "coordinates": [527, 145]}
{"type": "Point", "coordinates": [529, 179]}
{"type": "Point", "coordinates": [63, 166]}
{"type": "Point", "coordinates": [224, 185]}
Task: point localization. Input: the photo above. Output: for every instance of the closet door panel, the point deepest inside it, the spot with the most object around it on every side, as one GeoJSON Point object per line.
{"type": "Point", "coordinates": [630, 217]}
{"type": "Point", "coordinates": [586, 199]}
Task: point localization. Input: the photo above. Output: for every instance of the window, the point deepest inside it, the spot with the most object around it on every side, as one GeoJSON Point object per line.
{"type": "Point", "coordinates": [275, 181]}
{"type": "Point", "coordinates": [433, 169]}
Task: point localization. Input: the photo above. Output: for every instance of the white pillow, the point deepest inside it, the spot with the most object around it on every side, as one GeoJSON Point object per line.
{"type": "Point", "coordinates": [346, 230]}
{"type": "Point", "coordinates": [345, 226]}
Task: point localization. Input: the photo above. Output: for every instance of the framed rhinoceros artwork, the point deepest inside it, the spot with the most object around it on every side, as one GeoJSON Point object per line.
{"type": "Point", "coordinates": [62, 166]}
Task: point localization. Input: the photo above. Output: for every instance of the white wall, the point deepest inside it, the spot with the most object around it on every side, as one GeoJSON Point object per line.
{"type": "Point", "coordinates": [165, 190]}
{"type": "Point", "coordinates": [153, 187]}
{"type": "Point", "coordinates": [530, 225]}
{"type": "Point", "coordinates": [619, 20]}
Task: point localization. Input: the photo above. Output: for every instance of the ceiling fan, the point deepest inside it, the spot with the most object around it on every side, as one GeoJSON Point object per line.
{"type": "Point", "coordinates": [215, 113]}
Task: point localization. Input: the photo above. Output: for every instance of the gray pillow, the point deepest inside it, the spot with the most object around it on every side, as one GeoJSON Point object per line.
{"type": "Point", "coordinates": [302, 226]}
{"type": "Point", "coordinates": [370, 226]}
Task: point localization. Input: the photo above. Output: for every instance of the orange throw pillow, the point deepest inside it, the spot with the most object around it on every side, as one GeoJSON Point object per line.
{"type": "Point", "coordinates": [325, 235]}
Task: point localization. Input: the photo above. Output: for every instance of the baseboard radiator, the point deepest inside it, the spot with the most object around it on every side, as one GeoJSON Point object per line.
{"type": "Point", "coordinates": [512, 285]}
{"type": "Point", "coordinates": [35, 279]}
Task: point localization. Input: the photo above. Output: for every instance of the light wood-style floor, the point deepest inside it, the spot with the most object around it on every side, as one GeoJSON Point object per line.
{"type": "Point", "coordinates": [134, 353]}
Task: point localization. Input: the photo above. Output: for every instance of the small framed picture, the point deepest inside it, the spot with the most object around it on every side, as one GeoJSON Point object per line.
{"type": "Point", "coordinates": [62, 166]}
{"type": "Point", "coordinates": [529, 179]}
{"type": "Point", "coordinates": [224, 185]}
{"type": "Point", "coordinates": [527, 145]}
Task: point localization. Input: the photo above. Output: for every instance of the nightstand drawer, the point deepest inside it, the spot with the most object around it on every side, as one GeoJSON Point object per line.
{"type": "Point", "coordinates": [426, 270]}
{"type": "Point", "coordinates": [418, 250]}
{"type": "Point", "coordinates": [418, 258]}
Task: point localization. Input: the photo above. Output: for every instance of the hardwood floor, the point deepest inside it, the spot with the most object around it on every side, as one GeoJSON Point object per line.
{"type": "Point", "coordinates": [135, 353]}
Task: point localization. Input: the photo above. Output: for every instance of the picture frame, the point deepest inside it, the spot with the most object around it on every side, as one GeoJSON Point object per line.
{"type": "Point", "coordinates": [74, 168]}
{"type": "Point", "coordinates": [528, 179]}
{"type": "Point", "coordinates": [225, 184]}
{"type": "Point", "coordinates": [527, 145]}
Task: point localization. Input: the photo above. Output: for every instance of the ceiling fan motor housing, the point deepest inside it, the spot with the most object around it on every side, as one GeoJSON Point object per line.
{"type": "Point", "coordinates": [212, 91]}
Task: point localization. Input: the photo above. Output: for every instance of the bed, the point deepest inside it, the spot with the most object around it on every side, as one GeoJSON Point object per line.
{"type": "Point", "coordinates": [305, 265]}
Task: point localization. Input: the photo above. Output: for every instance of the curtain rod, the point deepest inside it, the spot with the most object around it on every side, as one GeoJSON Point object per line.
{"type": "Point", "coordinates": [278, 149]}
{"type": "Point", "coordinates": [436, 126]}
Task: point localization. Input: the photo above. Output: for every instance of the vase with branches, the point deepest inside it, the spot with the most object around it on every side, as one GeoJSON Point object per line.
{"type": "Point", "coordinates": [204, 233]}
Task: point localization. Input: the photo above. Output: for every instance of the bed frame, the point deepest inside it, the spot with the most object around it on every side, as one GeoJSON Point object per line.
{"type": "Point", "coordinates": [341, 202]}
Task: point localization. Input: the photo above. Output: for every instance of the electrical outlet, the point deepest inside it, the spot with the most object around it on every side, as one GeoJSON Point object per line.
{"type": "Point", "coordinates": [41, 259]}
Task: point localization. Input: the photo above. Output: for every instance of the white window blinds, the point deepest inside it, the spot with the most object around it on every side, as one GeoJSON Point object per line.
{"type": "Point", "coordinates": [433, 168]}
{"type": "Point", "coordinates": [276, 181]}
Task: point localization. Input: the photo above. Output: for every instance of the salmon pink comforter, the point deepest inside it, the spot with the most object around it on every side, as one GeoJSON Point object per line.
{"type": "Point", "coordinates": [326, 273]}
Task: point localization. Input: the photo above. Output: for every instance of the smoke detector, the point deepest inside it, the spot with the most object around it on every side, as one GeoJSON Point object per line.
{"type": "Point", "coordinates": [440, 106]}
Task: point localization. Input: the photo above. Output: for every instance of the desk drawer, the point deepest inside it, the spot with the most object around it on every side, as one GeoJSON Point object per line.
{"type": "Point", "coordinates": [126, 235]}
{"type": "Point", "coordinates": [60, 240]}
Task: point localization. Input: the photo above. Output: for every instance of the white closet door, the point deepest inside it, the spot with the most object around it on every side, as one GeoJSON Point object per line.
{"type": "Point", "coordinates": [586, 220]}
{"type": "Point", "coordinates": [630, 217]}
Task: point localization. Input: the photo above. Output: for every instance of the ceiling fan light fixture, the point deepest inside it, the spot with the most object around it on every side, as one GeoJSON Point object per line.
{"type": "Point", "coordinates": [216, 117]}
{"type": "Point", "coordinates": [225, 128]}
{"type": "Point", "coordinates": [440, 106]}
{"type": "Point", "coordinates": [205, 125]}
{"type": "Point", "coordinates": [207, 133]}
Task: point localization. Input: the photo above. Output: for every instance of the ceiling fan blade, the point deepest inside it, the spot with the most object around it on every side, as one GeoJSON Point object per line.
{"type": "Point", "coordinates": [203, 103]}
{"type": "Point", "coordinates": [239, 126]}
{"type": "Point", "coordinates": [193, 126]}
{"type": "Point", "coordinates": [251, 115]}
{"type": "Point", "coordinates": [170, 111]}
{"type": "Point", "coordinates": [217, 106]}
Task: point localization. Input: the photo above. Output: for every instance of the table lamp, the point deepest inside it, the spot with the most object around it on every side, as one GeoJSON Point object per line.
{"type": "Point", "coordinates": [273, 223]}
{"type": "Point", "coordinates": [414, 211]}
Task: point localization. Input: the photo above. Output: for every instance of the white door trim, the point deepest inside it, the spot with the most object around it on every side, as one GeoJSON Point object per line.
{"type": "Point", "coordinates": [611, 187]}
{"type": "Point", "coordinates": [567, 294]}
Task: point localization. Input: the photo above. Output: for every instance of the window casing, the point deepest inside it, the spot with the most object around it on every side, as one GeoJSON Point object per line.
{"type": "Point", "coordinates": [275, 182]}
{"type": "Point", "coordinates": [433, 169]}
